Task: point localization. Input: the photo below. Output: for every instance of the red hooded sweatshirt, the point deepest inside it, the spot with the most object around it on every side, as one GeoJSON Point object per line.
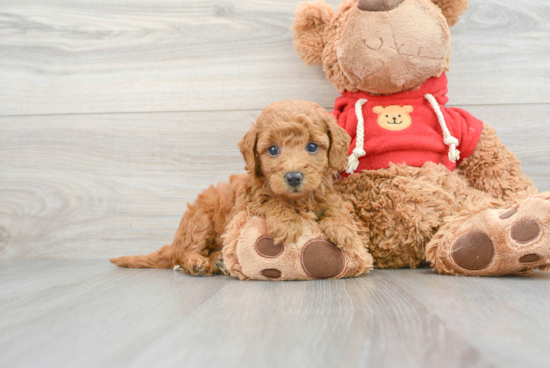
{"type": "Point", "coordinates": [407, 128]}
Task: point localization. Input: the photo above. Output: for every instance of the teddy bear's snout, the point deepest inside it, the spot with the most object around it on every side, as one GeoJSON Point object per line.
{"type": "Point", "coordinates": [378, 5]}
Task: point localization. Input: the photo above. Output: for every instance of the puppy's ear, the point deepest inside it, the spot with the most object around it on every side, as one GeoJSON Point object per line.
{"type": "Point", "coordinates": [308, 27]}
{"type": "Point", "coordinates": [339, 145]}
{"type": "Point", "coordinates": [452, 9]}
{"type": "Point", "coordinates": [247, 146]}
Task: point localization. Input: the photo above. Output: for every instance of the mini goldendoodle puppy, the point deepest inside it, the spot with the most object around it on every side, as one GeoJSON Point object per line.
{"type": "Point", "coordinates": [292, 154]}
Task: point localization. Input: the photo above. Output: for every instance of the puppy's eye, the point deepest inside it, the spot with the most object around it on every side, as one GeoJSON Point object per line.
{"type": "Point", "coordinates": [399, 115]}
{"type": "Point", "coordinates": [273, 151]}
{"type": "Point", "coordinates": [387, 116]}
{"type": "Point", "coordinates": [312, 148]}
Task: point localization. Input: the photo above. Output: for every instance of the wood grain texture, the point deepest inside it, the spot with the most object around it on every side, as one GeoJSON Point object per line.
{"type": "Point", "coordinates": [103, 177]}
{"type": "Point", "coordinates": [95, 186]}
{"type": "Point", "coordinates": [498, 315]}
{"type": "Point", "coordinates": [115, 114]}
{"type": "Point", "coordinates": [61, 56]}
{"type": "Point", "coordinates": [91, 314]}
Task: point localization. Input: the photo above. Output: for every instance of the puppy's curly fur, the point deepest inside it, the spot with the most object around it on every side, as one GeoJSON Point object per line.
{"type": "Point", "coordinates": [263, 191]}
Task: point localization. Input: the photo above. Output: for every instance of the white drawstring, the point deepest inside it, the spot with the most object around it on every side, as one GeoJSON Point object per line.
{"type": "Point", "coordinates": [359, 151]}
{"type": "Point", "coordinates": [452, 142]}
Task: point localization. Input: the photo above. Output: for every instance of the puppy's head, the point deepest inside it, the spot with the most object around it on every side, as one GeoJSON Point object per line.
{"type": "Point", "coordinates": [294, 148]}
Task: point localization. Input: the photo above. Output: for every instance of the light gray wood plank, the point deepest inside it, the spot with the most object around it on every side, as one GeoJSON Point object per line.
{"type": "Point", "coordinates": [117, 56]}
{"type": "Point", "coordinates": [505, 318]}
{"type": "Point", "coordinates": [91, 314]}
{"type": "Point", "coordinates": [90, 186]}
{"type": "Point", "coordinates": [498, 53]}
{"type": "Point", "coordinates": [104, 177]}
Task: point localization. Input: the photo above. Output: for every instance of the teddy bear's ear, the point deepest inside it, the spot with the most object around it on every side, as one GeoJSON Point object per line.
{"type": "Point", "coordinates": [408, 108]}
{"type": "Point", "coordinates": [308, 27]}
{"type": "Point", "coordinates": [452, 9]}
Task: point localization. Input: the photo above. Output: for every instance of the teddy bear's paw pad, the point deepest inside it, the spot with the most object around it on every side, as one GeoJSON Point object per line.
{"type": "Point", "coordinates": [267, 248]}
{"type": "Point", "coordinates": [473, 251]}
{"type": "Point", "coordinates": [526, 231]}
{"type": "Point", "coordinates": [271, 273]}
{"type": "Point", "coordinates": [529, 258]}
{"type": "Point", "coordinates": [508, 214]}
{"type": "Point", "coordinates": [529, 233]}
{"type": "Point", "coordinates": [322, 260]}
{"type": "Point", "coordinates": [504, 241]}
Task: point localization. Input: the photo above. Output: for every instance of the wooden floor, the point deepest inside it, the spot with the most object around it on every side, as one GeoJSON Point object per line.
{"type": "Point", "coordinates": [91, 314]}
{"type": "Point", "coordinates": [115, 114]}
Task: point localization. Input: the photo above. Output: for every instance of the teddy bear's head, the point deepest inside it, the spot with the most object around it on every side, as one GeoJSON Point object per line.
{"type": "Point", "coordinates": [378, 46]}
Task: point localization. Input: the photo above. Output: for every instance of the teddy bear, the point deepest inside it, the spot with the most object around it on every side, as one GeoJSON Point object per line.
{"type": "Point", "coordinates": [433, 185]}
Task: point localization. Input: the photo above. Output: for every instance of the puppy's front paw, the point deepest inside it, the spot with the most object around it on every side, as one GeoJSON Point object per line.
{"type": "Point", "coordinates": [286, 231]}
{"type": "Point", "coordinates": [341, 235]}
{"type": "Point", "coordinates": [197, 265]}
{"type": "Point", "coordinates": [217, 260]}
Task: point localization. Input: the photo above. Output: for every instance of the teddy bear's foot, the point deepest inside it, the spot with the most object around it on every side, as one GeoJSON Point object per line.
{"type": "Point", "coordinates": [496, 242]}
{"type": "Point", "coordinates": [320, 259]}
{"type": "Point", "coordinates": [252, 254]}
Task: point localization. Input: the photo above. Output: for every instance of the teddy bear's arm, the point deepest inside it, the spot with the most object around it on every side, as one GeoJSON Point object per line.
{"type": "Point", "coordinates": [494, 169]}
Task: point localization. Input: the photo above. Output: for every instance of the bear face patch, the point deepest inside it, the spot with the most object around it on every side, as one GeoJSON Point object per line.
{"type": "Point", "coordinates": [394, 117]}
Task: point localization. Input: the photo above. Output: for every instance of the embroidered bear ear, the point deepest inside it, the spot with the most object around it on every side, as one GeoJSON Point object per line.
{"type": "Point", "coordinates": [378, 109]}
{"type": "Point", "coordinates": [309, 26]}
{"type": "Point", "coordinates": [452, 9]}
{"type": "Point", "coordinates": [408, 108]}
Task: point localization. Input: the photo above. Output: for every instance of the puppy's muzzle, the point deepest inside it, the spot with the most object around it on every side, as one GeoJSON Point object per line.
{"type": "Point", "coordinates": [294, 179]}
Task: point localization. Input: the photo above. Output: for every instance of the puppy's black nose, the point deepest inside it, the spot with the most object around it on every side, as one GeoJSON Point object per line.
{"type": "Point", "coordinates": [294, 178]}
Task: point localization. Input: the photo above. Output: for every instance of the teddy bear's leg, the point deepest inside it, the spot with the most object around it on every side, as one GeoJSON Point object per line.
{"type": "Point", "coordinates": [250, 253]}
{"type": "Point", "coordinates": [403, 207]}
{"type": "Point", "coordinates": [495, 241]}
{"type": "Point", "coordinates": [494, 169]}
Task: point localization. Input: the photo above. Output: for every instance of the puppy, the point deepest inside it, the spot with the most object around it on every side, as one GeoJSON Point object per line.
{"type": "Point", "coordinates": [292, 154]}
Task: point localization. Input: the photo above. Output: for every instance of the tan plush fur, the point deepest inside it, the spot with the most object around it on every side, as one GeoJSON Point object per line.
{"type": "Point", "coordinates": [309, 24]}
{"type": "Point", "coordinates": [481, 214]}
{"type": "Point", "coordinates": [416, 215]}
{"type": "Point", "coordinates": [405, 208]}
{"type": "Point", "coordinates": [452, 9]}
{"type": "Point", "coordinates": [387, 53]}
{"type": "Point", "coordinates": [494, 169]}
{"type": "Point", "coordinates": [243, 261]}
{"type": "Point", "coordinates": [263, 191]}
